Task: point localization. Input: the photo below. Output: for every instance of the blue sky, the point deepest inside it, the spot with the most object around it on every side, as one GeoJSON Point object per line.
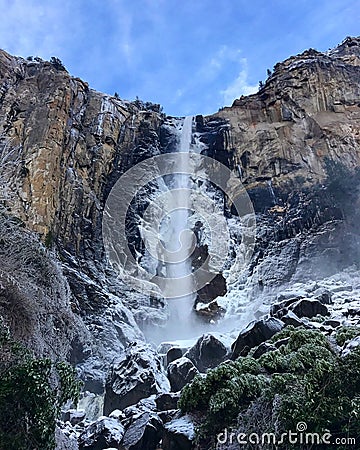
{"type": "Point", "coordinates": [191, 56]}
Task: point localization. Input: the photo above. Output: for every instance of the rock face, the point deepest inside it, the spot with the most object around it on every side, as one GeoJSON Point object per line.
{"type": "Point", "coordinates": [295, 146]}
{"type": "Point", "coordinates": [68, 145]}
{"type": "Point", "coordinates": [73, 143]}
{"type": "Point", "coordinates": [296, 122]}
{"type": "Point", "coordinates": [135, 375]}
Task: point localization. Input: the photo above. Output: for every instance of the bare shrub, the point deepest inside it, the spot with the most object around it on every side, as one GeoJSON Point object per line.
{"type": "Point", "coordinates": [34, 294]}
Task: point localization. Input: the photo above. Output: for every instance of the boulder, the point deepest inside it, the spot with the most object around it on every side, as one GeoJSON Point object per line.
{"type": "Point", "coordinates": [143, 431]}
{"type": "Point", "coordinates": [290, 318]}
{"type": "Point", "coordinates": [307, 307]}
{"type": "Point", "coordinates": [179, 434]}
{"type": "Point", "coordinates": [65, 440]}
{"type": "Point", "coordinates": [280, 308]}
{"type": "Point", "coordinates": [165, 402]}
{"type": "Point", "coordinates": [208, 352]}
{"type": "Point", "coordinates": [135, 375]}
{"type": "Point", "coordinates": [254, 334]}
{"type": "Point", "coordinates": [173, 353]}
{"type": "Point", "coordinates": [263, 348]}
{"type": "Point", "coordinates": [180, 373]}
{"type": "Point", "coordinates": [103, 433]}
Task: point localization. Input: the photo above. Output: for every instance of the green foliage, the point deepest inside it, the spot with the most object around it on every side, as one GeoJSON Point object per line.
{"type": "Point", "coordinates": [148, 106]}
{"type": "Point", "coordinates": [346, 334]}
{"type": "Point", "coordinates": [32, 391]}
{"type": "Point", "coordinates": [302, 380]}
{"type": "Point", "coordinates": [224, 391]}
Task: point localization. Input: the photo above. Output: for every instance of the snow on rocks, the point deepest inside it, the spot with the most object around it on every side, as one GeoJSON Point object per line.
{"type": "Point", "coordinates": [181, 372]}
{"type": "Point", "coordinates": [351, 346]}
{"type": "Point", "coordinates": [179, 434]}
{"type": "Point", "coordinates": [135, 375]}
{"type": "Point", "coordinates": [103, 433]}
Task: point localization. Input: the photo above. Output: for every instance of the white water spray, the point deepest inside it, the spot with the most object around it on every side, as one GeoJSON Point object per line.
{"type": "Point", "coordinates": [179, 239]}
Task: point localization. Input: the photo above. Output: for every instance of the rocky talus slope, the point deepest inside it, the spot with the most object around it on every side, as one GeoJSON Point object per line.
{"type": "Point", "coordinates": [295, 146]}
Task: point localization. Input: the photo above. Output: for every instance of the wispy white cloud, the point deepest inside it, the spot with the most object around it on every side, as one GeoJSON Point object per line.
{"type": "Point", "coordinates": [239, 86]}
{"type": "Point", "coordinates": [218, 62]}
{"type": "Point", "coordinates": [35, 28]}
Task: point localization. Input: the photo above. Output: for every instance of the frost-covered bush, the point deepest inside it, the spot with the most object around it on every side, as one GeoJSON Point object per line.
{"type": "Point", "coordinates": [34, 294]}
{"type": "Point", "coordinates": [304, 380]}
{"type": "Point", "coordinates": [346, 334]}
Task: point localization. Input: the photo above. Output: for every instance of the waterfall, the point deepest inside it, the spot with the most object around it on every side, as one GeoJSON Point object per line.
{"type": "Point", "coordinates": [178, 239]}
{"type": "Point", "coordinates": [178, 219]}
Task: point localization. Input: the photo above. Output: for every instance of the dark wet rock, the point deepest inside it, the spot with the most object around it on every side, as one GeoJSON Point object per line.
{"type": "Point", "coordinates": [173, 354]}
{"type": "Point", "coordinates": [103, 433]}
{"type": "Point", "coordinates": [180, 373]}
{"type": "Point", "coordinates": [135, 375]}
{"type": "Point", "coordinates": [216, 288]}
{"type": "Point", "coordinates": [208, 352]}
{"type": "Point", "coordinates": [255, 334]}
{"type": "Point", "coordinates": [263, 348]}
{"type": "Point", "coordinates": [309, 308]}
{"type": "Point", "coordinates": [165, 402]}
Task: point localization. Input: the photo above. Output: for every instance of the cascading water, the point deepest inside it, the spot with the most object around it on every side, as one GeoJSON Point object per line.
{"type": "Point", "coordinates": [178, 239]}
{"type": "Point", "coordinates": [185, 233]}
